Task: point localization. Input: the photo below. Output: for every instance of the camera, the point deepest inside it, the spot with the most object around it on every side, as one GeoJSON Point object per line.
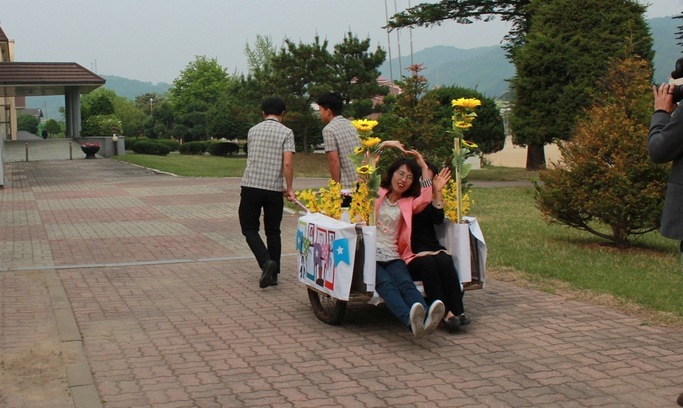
{"type": "Point", "coordinates": [677, 73]}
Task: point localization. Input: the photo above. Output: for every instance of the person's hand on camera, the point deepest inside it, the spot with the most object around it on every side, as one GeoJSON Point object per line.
{"type": "Point", "coordinates": [664, 97]}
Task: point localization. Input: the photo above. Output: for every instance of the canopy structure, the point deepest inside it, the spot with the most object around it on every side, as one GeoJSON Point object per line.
{"type": "Point", "coordinates": [50, 78]}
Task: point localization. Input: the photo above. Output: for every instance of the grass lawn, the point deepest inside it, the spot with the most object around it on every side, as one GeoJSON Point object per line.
{"type": "Point", "coordinates": [522, 247]}
{"type": "Point", "coordinates": [646, 278]}
{"type": "Point", "coordinates": [305, 165]}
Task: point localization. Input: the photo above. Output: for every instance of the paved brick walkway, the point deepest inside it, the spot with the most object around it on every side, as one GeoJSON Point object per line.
{"type": "Point", "coordinates": [120, 287]}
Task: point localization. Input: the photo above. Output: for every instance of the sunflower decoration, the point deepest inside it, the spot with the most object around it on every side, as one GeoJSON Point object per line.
{"type": "Point", "coordinates": [365, 157]}
{"type": "Point", "coordinates": [463, 116]}
{"type": "Point", "coordinates": [324, 200]}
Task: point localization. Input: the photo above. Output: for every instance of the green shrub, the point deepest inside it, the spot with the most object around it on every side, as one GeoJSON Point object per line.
{"type": "Point", "coordinates": [172, 144]}
{"type": "Point", "coordinates": [223, 149]}
{"type": "Point", "coordinates": [130, 142]}
{"type": "Point", "coordinates": [151, 147]}
{"type": "Point", "coordinates": [192, 148]}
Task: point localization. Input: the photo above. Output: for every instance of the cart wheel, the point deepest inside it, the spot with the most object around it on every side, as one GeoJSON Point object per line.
{"type": "Point", "coordinates": [326, 308]}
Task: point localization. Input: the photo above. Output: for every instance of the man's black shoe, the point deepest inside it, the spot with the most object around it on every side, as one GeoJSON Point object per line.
{"type": "Point", "coordinates": [273, 280]}
{"type": "Point", "coordinates": [269, 269]}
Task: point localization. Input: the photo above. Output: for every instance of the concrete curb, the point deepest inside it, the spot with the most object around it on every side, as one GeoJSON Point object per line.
{"type": "Point", "coordinates": [78, 372]}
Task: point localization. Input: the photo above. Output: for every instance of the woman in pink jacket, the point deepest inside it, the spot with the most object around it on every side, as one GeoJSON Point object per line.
{"type": "Point", "coordinates": [400, 196]}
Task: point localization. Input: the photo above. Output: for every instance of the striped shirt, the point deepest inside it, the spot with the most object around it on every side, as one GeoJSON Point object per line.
{"type": "Point", "coordinates": [266, 142]}
{"type": "Point", "coordinates": [340, 135]}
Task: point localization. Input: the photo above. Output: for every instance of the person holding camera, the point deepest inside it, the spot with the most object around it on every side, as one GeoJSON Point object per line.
{"type": "Point", "coordinates": [665, 144]}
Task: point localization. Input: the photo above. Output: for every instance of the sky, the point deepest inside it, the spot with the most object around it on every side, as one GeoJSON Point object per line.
{"type": "Point", "coordinates": [154, 40]}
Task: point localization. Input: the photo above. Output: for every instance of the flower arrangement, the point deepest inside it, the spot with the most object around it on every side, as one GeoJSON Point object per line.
{"type": "Point", "coordinates": [365, 157]}
{"type": "Point", "coordinates": [328, 200]}
{"type": "Point", "coordinates": [91, 145]}
{"type": "Point", "coordinates": [463, 116]}
{"type": "Point", "coordinates": [325, 200]}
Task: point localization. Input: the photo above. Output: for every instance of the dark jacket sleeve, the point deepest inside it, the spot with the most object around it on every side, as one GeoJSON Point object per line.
{"type": "Point", "coordinates": [665, 140]}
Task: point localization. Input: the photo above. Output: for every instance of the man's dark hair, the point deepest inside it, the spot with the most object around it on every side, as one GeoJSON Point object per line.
{"type": "Point", "coordinates": [273, 106]}
{"type": "Point", "coordinates": [331, 101]}
{"type": "Point", "coordinates": [414, 168]}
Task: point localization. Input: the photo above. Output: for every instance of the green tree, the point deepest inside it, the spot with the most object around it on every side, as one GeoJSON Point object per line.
{"type": "Point", "coordinates": [132, 118]}
{"type": "Point", "coordinates": [200, 85]}
{"type": "Point", "coordinates": [147, 101]}
{"type": "Point", "coordinates": [605, 177]}
{"type": "Point", "coordinates": [27, 123]}
{"type": "Point", "coordinates": [488, 131]}
{"type": "Point", "coordinates": [679, 32]}
{"type": "Point", "coordinates": [52, 127]}
{"type": "Point", "coordinates": [355, 74]}
{"type": "Point", "coordinates": [468, 11]}
{"type": "Point", "coordinates": [561, 61]}
{"type": "Point", "coordinates": [101, 125]}
{"type": "Point", "coordinates": [301, 72]}
{"type": "Point", "coordinates": [413, 119]}
{"type": "Point", "coordinates": [578, 31]}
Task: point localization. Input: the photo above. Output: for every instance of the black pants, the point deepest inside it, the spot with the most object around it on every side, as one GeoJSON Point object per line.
{"type": "Point", "coordinates": [439, 279]}
{"type": "Point", "coordinates": [252, 200]}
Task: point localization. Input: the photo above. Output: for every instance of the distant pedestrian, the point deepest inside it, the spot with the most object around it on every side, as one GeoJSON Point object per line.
{"type": "Point", "coordinates": [267, 176]}
{"type": "Point", "coordinates": [44, 133]}
{"type": "Point", "coordinates": [340, 139]}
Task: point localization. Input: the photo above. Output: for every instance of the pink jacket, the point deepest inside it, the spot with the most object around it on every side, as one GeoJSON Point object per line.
{"type": "Point", "coordinates": [408, 206]}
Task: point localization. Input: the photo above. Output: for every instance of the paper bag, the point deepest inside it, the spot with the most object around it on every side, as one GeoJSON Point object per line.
{"type": "Point", "coordinates": [466, 244]}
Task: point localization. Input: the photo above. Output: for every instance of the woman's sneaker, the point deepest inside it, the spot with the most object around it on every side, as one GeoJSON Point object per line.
{"type": "Point", "coordinates": [452, 324]}
{"type": "Point", "coordinates": [417, 318]}
{"type": "Point", "coordinates": [464, 320]}
{"type": "Point", "coordinates": [434, 316]}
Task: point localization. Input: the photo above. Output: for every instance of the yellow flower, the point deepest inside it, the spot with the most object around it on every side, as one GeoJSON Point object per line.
{"type": "Point", "coordinates": [365, 170]}
{"type": "Point", "coordinates": [371, 141]}
{"type": "Point", "coordinates": [364, 125]}
{"type": "Point", "coordinates": [469, 145]}
{"type": "Point", "coordinates": [358, 150]}
{"type": "Point", "coordinates": [450, 201]}
{"type": "Point", "coordinates": [467, 103]}
{"type": "Point", "coordinates": [462, 124]}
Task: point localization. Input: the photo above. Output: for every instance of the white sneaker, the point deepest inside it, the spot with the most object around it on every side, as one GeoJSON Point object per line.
{"type": "Point", "coordinates": [434, 316]}
{"type": "Point", "coordinates": [417, 318]}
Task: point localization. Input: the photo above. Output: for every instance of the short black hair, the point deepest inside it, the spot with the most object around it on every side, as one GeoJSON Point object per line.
{"type": "Point", "coordinates": [415, 188]}
{"type": "Point", "coordinates": [273, 106]}
{"type": "Point", "coordinates": [332, 101]}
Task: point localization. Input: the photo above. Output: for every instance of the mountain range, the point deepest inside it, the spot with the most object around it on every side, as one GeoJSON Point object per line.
{"type": "Point", "coordinates": [484, 68]}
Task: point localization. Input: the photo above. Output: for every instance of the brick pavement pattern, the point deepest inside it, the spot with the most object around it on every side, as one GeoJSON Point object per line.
{"type": "Point", "coordinates": [140, 291]}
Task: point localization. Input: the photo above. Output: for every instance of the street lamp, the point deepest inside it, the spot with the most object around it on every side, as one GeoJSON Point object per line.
{"type": "Point", "coordinates": [151, 105]}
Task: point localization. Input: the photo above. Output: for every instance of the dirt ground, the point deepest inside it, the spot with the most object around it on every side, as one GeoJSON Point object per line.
{"type": "Point", "coordinates": [30, 376]}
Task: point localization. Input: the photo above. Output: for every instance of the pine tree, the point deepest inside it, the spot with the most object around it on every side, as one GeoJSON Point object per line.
{"type": "Point", "coordinates": [605, 177]}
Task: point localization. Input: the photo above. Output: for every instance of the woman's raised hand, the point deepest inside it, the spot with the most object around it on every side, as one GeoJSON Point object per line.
{"type": "Point", "coordinates": [441, 179]}
{"type": "Point", "coordinates": [418, 157]}
{"type": "Point", "coordinates": [392, 143]}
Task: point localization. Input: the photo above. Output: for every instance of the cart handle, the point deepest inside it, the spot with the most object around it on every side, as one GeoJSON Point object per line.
{"type": "Point", "coordinates": [300, 205]}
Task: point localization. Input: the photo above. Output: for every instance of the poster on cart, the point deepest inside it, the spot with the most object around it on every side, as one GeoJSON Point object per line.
{"type": "Point", "coordinates": [326, 249]}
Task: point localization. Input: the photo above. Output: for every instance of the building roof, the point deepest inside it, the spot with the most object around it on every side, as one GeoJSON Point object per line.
{"type": "Point", "coordinates": [45, 78]}
{"type": "Point", "coordinates": [3, 37]}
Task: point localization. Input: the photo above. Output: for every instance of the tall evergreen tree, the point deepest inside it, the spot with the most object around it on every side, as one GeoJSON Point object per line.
{"type": "Point", "coordinates": [565, 53]}
{"type": "Point", "coordinates": [522, 15]}
{"type": "Point", "coordinates": [679, 33]}
{"type": "Point", "coordinates": [356, 70]}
